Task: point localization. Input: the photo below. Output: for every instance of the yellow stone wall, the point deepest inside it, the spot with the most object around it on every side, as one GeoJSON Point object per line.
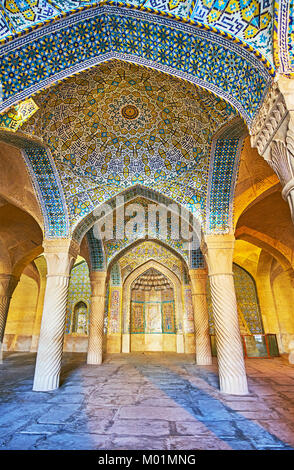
{"type": "Point", "coordinates": [284, 301]}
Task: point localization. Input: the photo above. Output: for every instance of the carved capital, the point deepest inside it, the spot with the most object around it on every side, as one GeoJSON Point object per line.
{"type": "Point", "coordinates": [8, 283]}
{"type": "Point", "coordinates": [269, 119]}
{"type": "Point", "coordinates": [60, 255]}
{"type": "Point", "coordinates": [280, 161]}
{"type": "Point", "coordinates": [218, 251]}
{"type": "Point", "coordinates": [273, 134]}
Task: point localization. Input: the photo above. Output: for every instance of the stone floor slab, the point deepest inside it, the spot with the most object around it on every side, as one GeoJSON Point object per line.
{"type": "Point", "coordinates": [145, 402]}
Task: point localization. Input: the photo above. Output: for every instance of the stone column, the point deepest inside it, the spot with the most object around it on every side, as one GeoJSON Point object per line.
{"type": "Point", "coordinates": [95, 346]}
{"type": "Point", "coordinates": [198, 286]}
{"type": "Point", "coordinates": [42, 269]}
{"type": "Point", "coordinates": [60, 256]}
{"type": "Point", "coordinates": [218, 251]}
{"type": "Point", "coordinates": [8, 283]}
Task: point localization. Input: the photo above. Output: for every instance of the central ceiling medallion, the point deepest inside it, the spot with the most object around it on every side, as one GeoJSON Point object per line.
{"type": "Point", "coordinates": [130, 112]}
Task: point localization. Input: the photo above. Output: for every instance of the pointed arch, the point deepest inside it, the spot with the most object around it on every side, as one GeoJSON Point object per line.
{"type": "Point", "coordinates": [244, 86]}
{"type": "Point", "coordinates": [126, 301]}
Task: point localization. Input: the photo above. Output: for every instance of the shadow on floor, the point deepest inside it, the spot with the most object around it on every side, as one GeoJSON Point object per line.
{"type": "Point", "coordinates": [227, 424]}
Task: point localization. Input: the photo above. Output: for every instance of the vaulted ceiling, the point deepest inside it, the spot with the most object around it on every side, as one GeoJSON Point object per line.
{"type": "Point", "coordinates": [120, 125]}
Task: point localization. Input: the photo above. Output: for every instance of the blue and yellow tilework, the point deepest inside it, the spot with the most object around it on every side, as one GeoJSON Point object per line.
{"type": "Point", "coordinates": [79, 291]}
{"type": "Point", "coordinates": [121, 126]}
{"type": "Point", "coordinates": [17, 115]}
{"type": "Point", "coordinates": [249, 20]}
{"type": "Point", "coordinates": [247, 300]}
{"type": "Point", "coordinates": [214, 61]}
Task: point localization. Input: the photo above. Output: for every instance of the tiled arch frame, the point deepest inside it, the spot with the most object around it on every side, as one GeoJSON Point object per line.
{"type": "Point", "coordinates": [176, 283]}
{"type": "Point", "coordinates": [225, 154]}
{"type": "Point", "coordinates": [135, 243]}
{"type": "Point", "coordinates": [202, 55]}
{"type": "Point", "coordinates": [96, 249]}
{"type": "Point", "coordinates": [283, 41]}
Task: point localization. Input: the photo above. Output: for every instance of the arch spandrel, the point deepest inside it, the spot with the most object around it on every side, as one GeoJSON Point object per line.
{"type": "Point", "coordinates": [134, 195]}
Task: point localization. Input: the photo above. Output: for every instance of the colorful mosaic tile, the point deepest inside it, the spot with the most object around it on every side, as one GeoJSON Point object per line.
{"type": "Point", "coordinates": [197, 259]}
{"type": "Point", "coordinates": [79, 291]}
{"type": "Point", "coordinates": [188, 317]}
{"type": "Point", "coordinates": [115, 247]}
{"type": "Point", "coordinates": [145, 251]}
{"type": "Point", "coordinates": [137, 317]}
{"type": "Point", "coordinates": [19, 15]}
{"type": "Point", "coordinates": [49, 191]}
{"type": "Point", "coordinates": [284, 36]}
{"type": "Point", "coordinates": [17, 115]}
{"type": "Point", "coordinates": [249, 20]}
{"type": "Point", "coordinates": [222, 178]}
{"type": "Point", "coordinates": [96, 251]}
{"type": "Point", "coordinates": [168, 317]}
{"type": "Point", "coordinates": [120, 125]}
{"type": "Point", "coordinates": [114, 311]}
{"type": "Point", "coordinates": [213, 61]}
{"type": "Point", "coordinates": [115, 275]}
{"type": "Point", "coordinates": [165, 147]}
{"type": "Point", "coordinates": [247, 301]}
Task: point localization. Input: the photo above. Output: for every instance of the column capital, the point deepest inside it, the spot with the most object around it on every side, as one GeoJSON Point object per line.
{"type": "Point", "coordinates": [271, 118]}
{"type": "Point", "coordinates": [60, 255]}
{"type": "Point", "coordinates": [8, 283]}
{"type": "Point", "coordinates": [198, 279]}
{"type": "Point", "coordinates": [272, 133]}
{"type": "Point", "coordinates": [98, 283]}
{"type": "Point", "coordinates": [61, 245]}
{"type": "Point", "coordinates": [286, 87]}
{"type": "Point", "coordinates": [218, 250]}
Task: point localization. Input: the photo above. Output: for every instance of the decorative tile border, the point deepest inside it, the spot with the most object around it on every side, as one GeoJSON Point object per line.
{"type": "Point", "coordinates": [134, 36]}
{"type": "Point", "coordinates": [49, 191]}
{"type": "Point", "coordinates": [224, 164]}
{"type": "Point", "coordinates": [284, 36]}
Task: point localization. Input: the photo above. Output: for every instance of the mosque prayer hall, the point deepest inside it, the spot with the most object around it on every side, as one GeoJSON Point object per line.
{"type": "Point", "coordinates": [146, 225]}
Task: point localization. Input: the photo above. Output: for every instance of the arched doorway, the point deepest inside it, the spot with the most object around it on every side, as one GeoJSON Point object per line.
{"type": "Point", "coordinates": [80, 318]}
{"type": "Point", "coordinates": [152, 313]}
{"type": "Point", "coordinates": [152, 310]}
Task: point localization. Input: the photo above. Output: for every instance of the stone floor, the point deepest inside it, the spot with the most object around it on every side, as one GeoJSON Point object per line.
{"type": "Point", "coordinates": [145, 401]}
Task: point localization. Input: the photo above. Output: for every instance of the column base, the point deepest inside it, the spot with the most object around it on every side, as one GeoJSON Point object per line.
{"type": "Point", "coordinates": [94, 359]}
{"type": "Point", "coordinates": [180, 343]}
{"type": "Point", "coordinates": [34, 343]}
{"type": "Point", "coordinates": [234, 385]}
{"type": "Point", "coordinates": [126, 343]}
{"type": "Point", "coordinates": [46, 384]}
{"type": "Point", "coordinates": [1, 353]}
{"type": "Point", "coordinates": [203, 360]}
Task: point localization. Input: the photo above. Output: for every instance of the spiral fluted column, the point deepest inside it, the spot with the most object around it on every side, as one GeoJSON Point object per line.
{"type": "Point", "coordinates": [8, 283]}
{"type": "Point", "coordinates": [218, 251]}
{"type": "Point", "coordinates": [60, 256]}
{"type": "Point", "coordinates": [95, 345]}
{"type": "Point", "coordinates": [42, 269]}
{"type": "Point", "coordinates": [198, 279]}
